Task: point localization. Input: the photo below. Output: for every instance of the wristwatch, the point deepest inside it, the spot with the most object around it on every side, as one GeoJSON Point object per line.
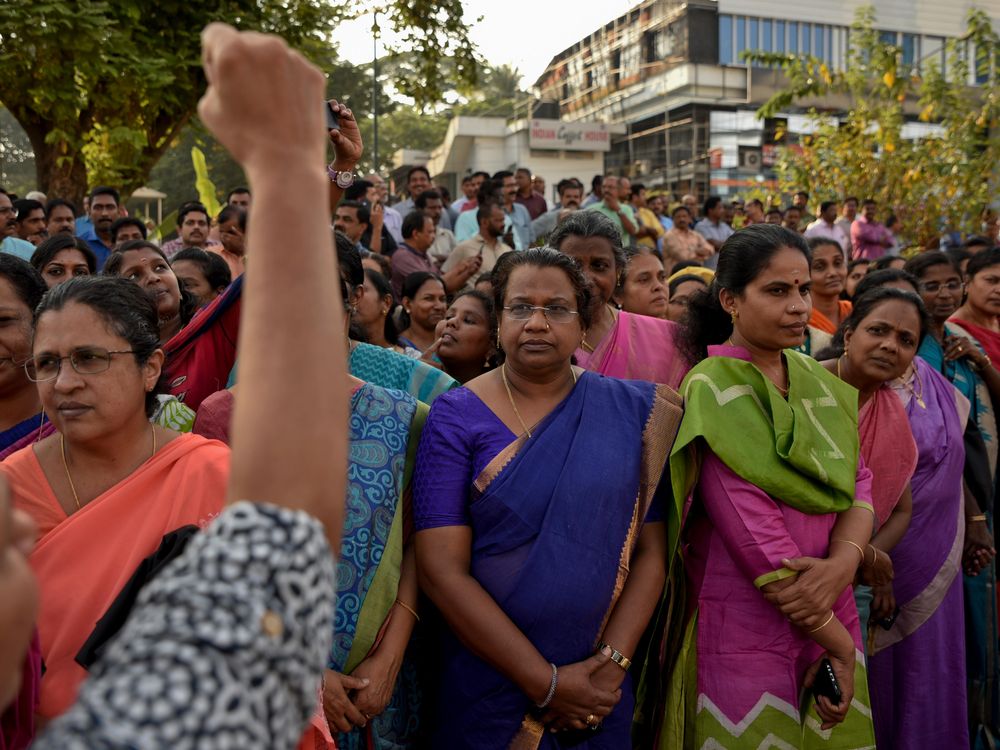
{"type": "Point", "coordinates": [342, 179]}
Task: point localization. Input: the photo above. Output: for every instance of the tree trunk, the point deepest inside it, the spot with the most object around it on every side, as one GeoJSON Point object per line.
{"type": "Point", "coordinates": [58, 175]}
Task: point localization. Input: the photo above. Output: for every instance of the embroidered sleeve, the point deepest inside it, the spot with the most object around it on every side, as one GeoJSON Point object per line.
{"type": "Point", "coordinates": [224, 649]}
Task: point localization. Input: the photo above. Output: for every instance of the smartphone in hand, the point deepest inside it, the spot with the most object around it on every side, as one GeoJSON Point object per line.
{"type": "Point", "coordinates": [332, 121]}
{"type": "Point", "coordinates": [826, 683]}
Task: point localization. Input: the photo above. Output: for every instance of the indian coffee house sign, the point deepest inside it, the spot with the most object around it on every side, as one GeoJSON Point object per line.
{"type": "Point", "coordinates": [569, 136]}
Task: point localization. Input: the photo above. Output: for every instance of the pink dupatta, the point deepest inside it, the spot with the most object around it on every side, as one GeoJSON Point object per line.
{"type": "Point", "coordinates": [888, 449]}
{"type": "Point", "coordinates": [638, 347]}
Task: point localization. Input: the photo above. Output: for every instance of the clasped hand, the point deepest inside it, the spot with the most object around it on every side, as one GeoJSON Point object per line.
{"type": "Point", "coordinates": [807, 602]}
{"type": "Point", "coordinates": [589, 687]}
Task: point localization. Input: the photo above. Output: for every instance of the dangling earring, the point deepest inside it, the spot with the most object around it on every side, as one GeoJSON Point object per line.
{"type": "Point", "coordinates": [384, 313]}
{"type": "Point", "coordinates": [734, 315]}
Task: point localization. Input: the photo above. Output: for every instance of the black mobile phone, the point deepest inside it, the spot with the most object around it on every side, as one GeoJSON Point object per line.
{"type": "Point", "coordinates": [826, 683]}
{"type": "Point", "coordinates": [887, 622]}
{"type": "Point", "coordinates": [332, 121]}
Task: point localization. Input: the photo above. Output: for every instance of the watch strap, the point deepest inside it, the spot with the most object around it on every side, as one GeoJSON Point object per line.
{"type": "Point", "coordinates": [616, 656]}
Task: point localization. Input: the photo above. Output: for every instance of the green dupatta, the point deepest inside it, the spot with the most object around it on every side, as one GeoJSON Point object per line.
{"type": "Point", "coordinates": [803, 450]}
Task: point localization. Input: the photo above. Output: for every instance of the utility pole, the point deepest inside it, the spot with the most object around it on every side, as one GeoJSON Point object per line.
{"type": "Point", "coordinates": [375, 31]}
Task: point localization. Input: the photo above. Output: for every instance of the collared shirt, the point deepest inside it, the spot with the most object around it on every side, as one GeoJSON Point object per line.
{"type": "Point", "coordinates": [520, 221]}
{"type": "Point", "coordinates": [464, 204]}
{"type": "Point", "coordinates": [468, 224]}
{"type": "Point", "coordinates": [392, 220]}
{"type": "Point", "coordinates": [405, 261]}
{"type": "Point", "coordinates": [535, 204]}
{"type": "Point", "coordinates": [16, 246]}
{"type": "Point", "coordinates": [444, 244]}
{"type": "Point", "coordinates": [170, 249]}
{"type": "Point", "coordinates": [545, 224]}
{"type": "Point", "coordinates": [870, 239]}
{"type": "Point", "coordinates": [648, 219]}
{"type": "Point", "coordinates": [720, 232]}
{"type": "Point", "coordinates": [101, 250]}
{"type": "Point", "coordinates": [681, 245]}
{"type": "Point", "coordinates": [834, 231]}
{"type": "Point", "coordinates": [476, 245]}
{"type": "Point", "coordinates": [407, 206]}
{"type": "Point", "coordinates": [613, 215]}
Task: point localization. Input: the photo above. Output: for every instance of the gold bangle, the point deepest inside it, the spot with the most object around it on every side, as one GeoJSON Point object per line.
{"type": "Point", "coordinates": [874, 554]}
{"type": "Point", "coordinates": [973, 519]}
{"type": "Point", "coordinates": [828, 621]}
{"type": "Point", "coordinates": [856, 546]}
{"type": "Point", "coordinates": [409, 609]}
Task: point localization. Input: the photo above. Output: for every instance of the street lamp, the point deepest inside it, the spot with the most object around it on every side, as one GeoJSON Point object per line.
{"type": "Point", "coordinates": [375, 31]}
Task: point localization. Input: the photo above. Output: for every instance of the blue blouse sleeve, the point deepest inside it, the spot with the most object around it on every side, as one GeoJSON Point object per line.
{"type": "Point", "coordinates": [443, 474]}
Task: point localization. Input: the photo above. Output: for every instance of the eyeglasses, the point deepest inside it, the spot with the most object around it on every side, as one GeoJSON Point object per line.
{"type": "Point", "coordinates": [90, 361]}
{"type": "Point", "coordinates": [934, 287]}
{"type": "Point", "coordinates": [552, 313]}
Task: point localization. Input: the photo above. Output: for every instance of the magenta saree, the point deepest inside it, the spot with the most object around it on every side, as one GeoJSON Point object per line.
{"type": "Point", "coordinates": [638, 347]}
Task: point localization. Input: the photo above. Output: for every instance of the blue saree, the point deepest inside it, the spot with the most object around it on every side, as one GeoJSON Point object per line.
{"type": "Point", "coordinates": [555, 519]}
{"type": "Point", "coordinates": [384, 431]}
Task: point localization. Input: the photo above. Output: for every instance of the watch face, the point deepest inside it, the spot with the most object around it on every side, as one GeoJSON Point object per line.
{"type": "Point", "coordinates": [345, 179]}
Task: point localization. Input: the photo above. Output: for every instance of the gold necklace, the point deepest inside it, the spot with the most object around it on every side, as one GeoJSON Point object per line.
{"type": "Point", "coordinates": [614, 319]}
{"type": "Point", "coordinates": [62, 448]}
{"type": "Point", "coordinates": [506, 385]}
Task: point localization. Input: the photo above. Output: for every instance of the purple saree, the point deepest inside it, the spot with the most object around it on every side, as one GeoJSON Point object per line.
{"type": "Point", "coordinates": [917, 668]}
{"type": "Point", "coordinates": [555, 519]}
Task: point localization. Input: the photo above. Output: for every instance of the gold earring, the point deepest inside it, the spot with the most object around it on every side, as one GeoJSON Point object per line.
{"type": "Point", "coordinates": [734, 315]}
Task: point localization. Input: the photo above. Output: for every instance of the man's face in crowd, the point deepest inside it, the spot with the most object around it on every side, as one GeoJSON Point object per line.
{"type": "Point", "coordinates": [756, 213]}
{"type": "Point", "coordinates": [8, 221]}
{"type": "Point", "coordinates": [793, 216]}
{"type": "Point", "coordinates": [126, 234]}
{"type": "Point", "coordinates": [639, 198]}
{"type": "Point", "coordinates": [417, 183]}
{"type": "Point", "coordinates": [715, 212]}
{"type": "Point", "coordinates": [800, 201]}
{"type": "Point", "coordinates": [609, 188]}
{"type": "Point", "coordinates": [656, 205]}
{"type": "Point", "coordinates": [690, 203]}
{"type": "Point", "coordinates": [868, 211]}
{"type": "Point", "coordinates": [62, 221]}
{"type": "Point", "coordinates": [346, 221]}
{"type": "Point", "coordinates": [850, 209]}
{"type": "Point", "coordinates": [523, 181]}
{"type": "Point", "coordinates": [32, 226]}
{"type": "Point", "coordinates": [434, 208]}
{"type": "Point", "coordinates": [469, 188]}
{"type": "Point", "coordinates": [571, 197]}
{"type": "Point", "coordinates": [240, 199]}
{"type": "Point", "coordinates": [830, 214]}
{"type": "Point", "coordinates": [509, 189]}
{"type": "Point", "coordinates": [103, 212]}
{"type": "Point", "coordinates": [624, 189]}
{"type": "Point", "coordinates": [538, 185]}
{"type": "Point", "coordinates": [477, 182]}
{"type": "Point", "coordinates": [728, 212]}
{"type": "Point", "coordinates": [423, 238]}
{"type": "Point", "coordinates": [380, 188]}
{"type": "Point", "coordinates": [494, 225]}
{"type": "Point", "coordinates": [194, 229]}
{"type": "Point", "coordinates": [682, 219]}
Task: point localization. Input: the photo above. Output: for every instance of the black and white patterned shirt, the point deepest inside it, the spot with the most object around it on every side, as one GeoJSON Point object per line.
{"type": "Point", "coordinates": [225, 648]}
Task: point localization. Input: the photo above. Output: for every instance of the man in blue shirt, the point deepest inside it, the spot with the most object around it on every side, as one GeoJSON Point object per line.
{"type": "Point", "coordinates": [9, 241]}
{"type": "Point", "coordinates": [103, 211]}
{"type": "Point", "coordinates": [520, 219]}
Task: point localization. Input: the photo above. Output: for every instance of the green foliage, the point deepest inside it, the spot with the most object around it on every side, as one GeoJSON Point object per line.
{"type": "Point", "coordinates": [931, 183]}
{"type": "Point", "coordinates": [104, 87]}
{"type": "Point", "coordinates": [207, 192]}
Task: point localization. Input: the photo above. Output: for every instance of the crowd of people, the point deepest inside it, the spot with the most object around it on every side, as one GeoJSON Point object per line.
{"type": "Point", "coordinates": [603, 473]}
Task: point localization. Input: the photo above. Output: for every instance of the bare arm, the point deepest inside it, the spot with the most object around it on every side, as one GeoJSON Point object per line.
{"type": "Point", "coordinates": [283, 456]}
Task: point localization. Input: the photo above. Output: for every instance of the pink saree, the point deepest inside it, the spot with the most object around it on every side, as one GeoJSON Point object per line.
{"type": "Point", "coordinates": [638, 347]}
{"type": "Point", "coordinates": [888, 449]}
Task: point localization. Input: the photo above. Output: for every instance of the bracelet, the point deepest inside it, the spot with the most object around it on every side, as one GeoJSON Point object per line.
{"type": "Point", "coordinates": [874, 554]}
{"type": "Point", "coordinates": [974, 519]}
{"type": "Point", "coordinates": [856, 546]}
{"type": "Point", "coordinates": [828, 621]}
{"type": "Point", "coordinates": [552, 687]}
{"type": "Point", "coordinates": [616, 656]}
{"type": "Point", "coordinates": [409, 609]}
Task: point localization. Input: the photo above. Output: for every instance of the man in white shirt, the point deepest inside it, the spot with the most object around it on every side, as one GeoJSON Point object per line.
{"type": "Point", "coordinates": [828, 227]}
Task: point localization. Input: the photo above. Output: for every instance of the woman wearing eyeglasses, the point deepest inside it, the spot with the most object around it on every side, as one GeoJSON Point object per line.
{"type": "Point", "coordinates": [108, 489]}
{"type": "Point", "coordinates": [545, 560]}
{"type": "Point", "coordinates": [617, 343]}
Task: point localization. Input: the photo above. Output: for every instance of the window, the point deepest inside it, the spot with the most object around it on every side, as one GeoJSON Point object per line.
{"type": "Point", "coordinates": [819, 39]}
{"type": "Point", "coordinates": [807, 39]}
{"type": "Point", "coordinates": [779, 36]}
{"type": "Point", "coordinates": [910, 49]}
{"type": "Point", "coordinates": [887, 37]}
{"type": "Point", "coordinates": [754, 42]}
{"type": "Point", "coordinates": [766, 39]}
{"type": "Point", "coordinates": [829, 44]}
{"type": "Point", "coordinates": [793, 37]}
{"type": "Point", "coordinates": [741, 36]}
{"type": "Point", "coordinates": [726, 40]}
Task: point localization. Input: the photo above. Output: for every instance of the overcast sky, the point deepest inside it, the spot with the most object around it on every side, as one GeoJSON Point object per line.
{"type": "Point", "coordinates": [523, 33]}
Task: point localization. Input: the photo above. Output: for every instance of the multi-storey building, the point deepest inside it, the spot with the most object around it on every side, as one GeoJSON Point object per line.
{"type": "Point", "coordinates": [671, 71]}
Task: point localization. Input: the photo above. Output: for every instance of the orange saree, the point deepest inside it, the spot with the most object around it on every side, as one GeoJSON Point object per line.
{"type": "Point", "coordinates": [82, 561]}
{"type": "Point", "coordinates": [823, 323]}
